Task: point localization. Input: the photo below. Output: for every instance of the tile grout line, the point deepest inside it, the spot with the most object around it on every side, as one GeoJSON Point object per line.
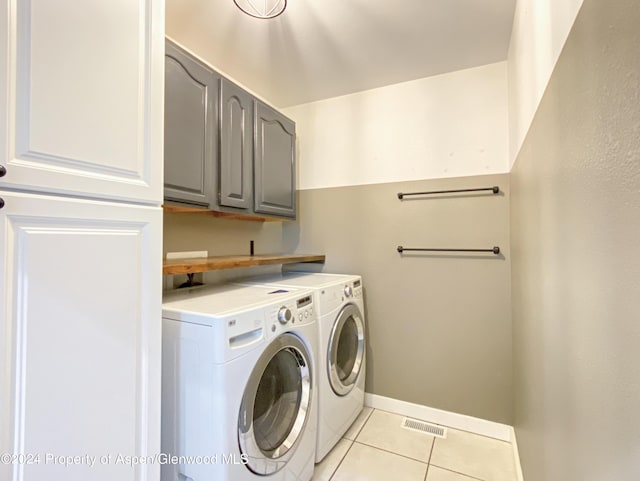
{"type": "Point", "coordinates": [391, 452]}
{"type": "Point", "coordinates": [458, 472]}
{"type": "Point", "coordinates": [362, 427]}
{"type": "Point", "coordinates": [343, 458]}
{"type": "Point", "coordinates": [433, 445]}
{"type": "Point", "coordinates": [353, 441]}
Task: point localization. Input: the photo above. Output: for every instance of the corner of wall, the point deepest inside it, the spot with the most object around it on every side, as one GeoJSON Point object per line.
{"type": "Point", "coordinates": [540, 30]}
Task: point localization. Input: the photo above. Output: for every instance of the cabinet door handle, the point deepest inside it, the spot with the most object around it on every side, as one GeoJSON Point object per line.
{"type": "Point", "coordinates": [1, 202]}
{"type": "Point", "coordinates": [3, 171]}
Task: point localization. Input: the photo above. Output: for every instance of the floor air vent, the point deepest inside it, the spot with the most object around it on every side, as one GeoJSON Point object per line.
{"type": "Point", "coordinates": [424, 428]}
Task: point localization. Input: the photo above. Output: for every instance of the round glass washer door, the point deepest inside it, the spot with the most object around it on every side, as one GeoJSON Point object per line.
{"type": "Point", "coordinates": [346, 350]}
{"type": "Point", "coordinates": [276, 405]}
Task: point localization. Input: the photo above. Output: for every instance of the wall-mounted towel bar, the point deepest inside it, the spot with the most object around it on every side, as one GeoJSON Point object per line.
{"type": "Point", "coordinates": [494, 250]}
{"type": "Point", "coordinates": [495, 189]}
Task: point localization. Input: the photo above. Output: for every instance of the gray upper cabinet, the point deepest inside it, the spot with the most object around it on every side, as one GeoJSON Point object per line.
{"type": "Point", "coordinates": [236, 146]}
{"type": "Point", "coordinates": [223, 149]}
{"type": "Point", "coordinates": [191, 96]}
{"type": "Point", "coordinates": [274, 162]}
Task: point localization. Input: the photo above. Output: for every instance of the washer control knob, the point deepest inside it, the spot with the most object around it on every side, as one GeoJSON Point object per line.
{"type": "Point", "coordinates": [284, 315]}
{"type": "Point", "coordinates": [3, 171]}
{"type": "Point", "coordinates": [348, 292]}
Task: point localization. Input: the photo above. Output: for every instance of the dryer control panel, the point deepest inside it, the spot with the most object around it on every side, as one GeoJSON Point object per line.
{"type": "Point", "coordinates": [334, 297]}
{"type": "Point", "coordinates": [357, 289]}
{"type": "Point", "coordinates": [352, 289]}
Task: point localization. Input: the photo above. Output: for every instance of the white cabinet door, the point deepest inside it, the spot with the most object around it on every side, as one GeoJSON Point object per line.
{"type": "Point", "coordinates": [81, 97]}
{"type": "Point", "coordinates": [80, 338]}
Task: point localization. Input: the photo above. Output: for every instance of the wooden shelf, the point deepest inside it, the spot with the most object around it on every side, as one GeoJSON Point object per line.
{"type": "Point", "coordinates": [177, 209]}
{"type": "Point", "coordinates": [204, 264]}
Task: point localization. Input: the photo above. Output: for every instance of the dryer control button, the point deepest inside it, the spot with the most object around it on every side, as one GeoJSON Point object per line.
{"type": "Point", "coordinates": [284, 315]}
{"type": "Point", "coordinates": [300, 316]}
{"type": "Point", "coordinates": [306, 313]}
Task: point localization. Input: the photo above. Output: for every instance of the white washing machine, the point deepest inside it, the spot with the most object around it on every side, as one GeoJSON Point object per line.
{"type": "Point", "coordinates": [341, 349]}
{"type": "Point", "coordinates": [238, 384]}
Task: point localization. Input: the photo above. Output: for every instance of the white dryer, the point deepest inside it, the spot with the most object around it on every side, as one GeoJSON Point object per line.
{"type": "Point", "coordinates": [238, 384]}
{"type": "Point", "coordinates": [341, 350]}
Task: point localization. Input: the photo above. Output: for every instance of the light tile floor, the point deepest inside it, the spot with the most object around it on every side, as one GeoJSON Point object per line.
{"type": "Point", "coordinates": [376, 448]}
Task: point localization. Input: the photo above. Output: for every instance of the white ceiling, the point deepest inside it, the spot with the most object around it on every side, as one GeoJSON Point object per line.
{"type": "Point", "coordinates": [325, 48]}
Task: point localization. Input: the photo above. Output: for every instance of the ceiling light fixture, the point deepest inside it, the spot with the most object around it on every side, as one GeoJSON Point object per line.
{"type": "Point", "coordinates": [262, 8]}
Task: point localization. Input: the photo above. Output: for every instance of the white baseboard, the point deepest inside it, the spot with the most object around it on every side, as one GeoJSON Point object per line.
{"type": "Point", "coordinates": [516, 455]}
{"type": "Point", "coordinates": [483, 427]}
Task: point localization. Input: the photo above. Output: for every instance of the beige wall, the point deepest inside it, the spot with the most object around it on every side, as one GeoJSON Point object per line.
{"type": "Point", "coordinates": [575, 219]}
{"type": "Point", "coordinates": [188, 232]}
{"type": "Point", "coordinates": [220, 237]}
{"type": "Point", "coordinates": [439, 326]}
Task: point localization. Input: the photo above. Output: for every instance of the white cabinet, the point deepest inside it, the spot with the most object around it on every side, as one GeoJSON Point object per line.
{"type": "Point", "coordinates": [81, 117]}
{"type": "Point", "coordinates": [80, 338]}
{"type": "Point", "coordinates": [81, 97]}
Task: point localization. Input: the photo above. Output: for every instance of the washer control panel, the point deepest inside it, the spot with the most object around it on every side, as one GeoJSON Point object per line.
{"type": "Point", "coordinates": [290, 313]}
{"type": "Point", "coordinates": [284, 315]}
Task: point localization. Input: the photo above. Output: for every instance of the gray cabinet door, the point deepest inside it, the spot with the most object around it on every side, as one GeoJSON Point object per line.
{"type": "Point", "coordinates": [236, 149]}
{"type": "Point", "coordinates": [189, 125]}
{"type": "Point", "coordinates": [274, 167]}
